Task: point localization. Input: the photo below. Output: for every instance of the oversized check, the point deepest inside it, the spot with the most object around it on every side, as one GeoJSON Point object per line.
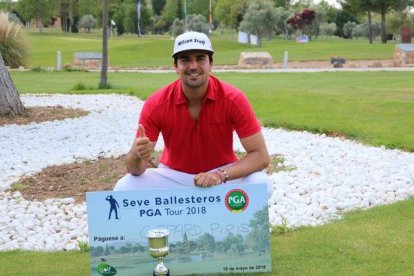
{"type": "Point", "coordinates": [221, 229]}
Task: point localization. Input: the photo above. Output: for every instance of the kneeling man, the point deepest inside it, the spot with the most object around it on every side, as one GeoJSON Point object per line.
{"type": "Point", "coordinates": [196, 116]}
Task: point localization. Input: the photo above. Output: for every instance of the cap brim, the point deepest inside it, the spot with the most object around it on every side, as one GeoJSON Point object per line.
{"type": "Point", "coordinates": [188, 50]}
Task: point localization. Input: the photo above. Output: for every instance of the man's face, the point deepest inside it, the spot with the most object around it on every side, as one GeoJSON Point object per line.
{"type": "Point", "coordinates": [193, 68]}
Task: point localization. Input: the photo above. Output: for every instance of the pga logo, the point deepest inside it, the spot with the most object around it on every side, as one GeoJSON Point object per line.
{"type": "Point", "coordinates": [236, 200]}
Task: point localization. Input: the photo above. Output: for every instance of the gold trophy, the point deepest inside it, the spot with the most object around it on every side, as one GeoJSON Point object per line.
{"type": "Point", "coordinates": [158, 248]}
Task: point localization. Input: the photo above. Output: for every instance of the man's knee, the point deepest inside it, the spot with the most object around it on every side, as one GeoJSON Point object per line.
{"type": "Point", "coordinates": [261, 177]}
{"type": "Point", "coordinates": [125, 183]}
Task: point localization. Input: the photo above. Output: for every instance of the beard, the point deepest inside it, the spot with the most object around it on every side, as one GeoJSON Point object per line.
{"type": "Point", "coordinates": [194, 80]}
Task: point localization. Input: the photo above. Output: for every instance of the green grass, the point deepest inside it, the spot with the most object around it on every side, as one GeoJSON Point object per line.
{"type": "Point", "coordinates": [373, 107]}
{"type": "Point", "coordinates": [374, 242]}
{"type": "Point", "coordinates": [44, 263]}
{"type": "Point", "coordinates": [378, 241]}
{"type": "Point", "coordinates": [155, 51]}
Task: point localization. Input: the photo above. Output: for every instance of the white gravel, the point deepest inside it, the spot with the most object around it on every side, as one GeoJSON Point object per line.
{"type": "Point", "coordinates": [326, 176]}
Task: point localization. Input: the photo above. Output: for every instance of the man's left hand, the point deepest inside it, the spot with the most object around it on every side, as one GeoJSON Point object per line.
{"type": "Point", "coordinates": [207, 179]}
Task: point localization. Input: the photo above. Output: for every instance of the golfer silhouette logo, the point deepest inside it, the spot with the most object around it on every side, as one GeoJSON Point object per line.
{"type": "Point", "coordinates": [114, 206]}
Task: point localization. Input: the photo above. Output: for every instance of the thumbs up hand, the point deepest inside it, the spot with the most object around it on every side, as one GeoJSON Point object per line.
{"type": "Point", "coordinates": [142, 146]}
{"type": "Point", "coordinates": [141, 131]}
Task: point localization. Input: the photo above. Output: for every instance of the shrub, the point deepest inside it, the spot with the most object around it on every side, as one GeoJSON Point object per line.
{"type": "Point", "coordinates": [178, 27]}
{"type": "Point", "coordinates": [327, 29]}
{"type": "Point", "coordinates": [195, 22]}
{"type": "Point", "coordinates": [349, 29]}
{"type": "Point", "coordinates": [13, 44]}
{"type": "Point", "coordinates": [87, 23]}
{"type": "Point", "coordinates": [198, 23]}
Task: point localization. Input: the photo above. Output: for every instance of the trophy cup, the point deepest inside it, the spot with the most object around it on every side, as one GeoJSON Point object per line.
{"type": "Point", "coordinates": [158, 248]}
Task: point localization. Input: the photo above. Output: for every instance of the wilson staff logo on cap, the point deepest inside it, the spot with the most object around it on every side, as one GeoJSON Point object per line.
{"type": "Point", "coordinates": [192, 41]}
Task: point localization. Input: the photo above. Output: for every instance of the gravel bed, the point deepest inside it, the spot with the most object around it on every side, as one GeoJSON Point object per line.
{"type": "Point", "coordinates": [325, 176]}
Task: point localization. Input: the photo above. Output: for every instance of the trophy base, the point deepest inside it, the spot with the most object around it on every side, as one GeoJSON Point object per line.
{"type": "Point", "coordinates": [167, 273]}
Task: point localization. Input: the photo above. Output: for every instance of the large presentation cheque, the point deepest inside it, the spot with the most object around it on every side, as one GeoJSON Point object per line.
{"type": "Point", "coordinates": [184, 231]}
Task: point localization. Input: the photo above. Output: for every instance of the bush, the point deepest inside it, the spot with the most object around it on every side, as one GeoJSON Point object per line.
{"type": "Point", "coordinates": [13, 45]}
{"type": "Point", "coordinates": [87, 23]}
{"type": "Point", "coordinates": [327, 29]}
{"type": "Point", "coordinates": [195, 22]}
{"type": "Point", "coordinates": [178, 27]}
{"type": "Point", "coordinates": [198, 23]}
{"type": "Point", "coordinates": [349, 29]}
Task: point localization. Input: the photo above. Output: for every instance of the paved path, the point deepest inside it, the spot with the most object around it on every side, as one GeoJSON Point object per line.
{"type": "Point", "coordinates": [273, 70]}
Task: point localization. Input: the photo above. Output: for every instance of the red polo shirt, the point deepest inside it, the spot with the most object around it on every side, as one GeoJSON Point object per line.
{"type": "Point", "coordinates": [195, 146]}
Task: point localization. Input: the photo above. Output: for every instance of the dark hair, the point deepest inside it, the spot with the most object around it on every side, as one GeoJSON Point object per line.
{"type": "Point", "coordinates": [210, 56]}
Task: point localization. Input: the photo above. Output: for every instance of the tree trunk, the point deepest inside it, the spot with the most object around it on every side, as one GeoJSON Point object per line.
{"type": "Point", "coordinates": [10, 104]}
{"type": "Point", "coordinates": [104, 70]}
{"type": "Point", "coordinates": [370, 27]}
{"type": "Point", "coordinates": [383, 26]}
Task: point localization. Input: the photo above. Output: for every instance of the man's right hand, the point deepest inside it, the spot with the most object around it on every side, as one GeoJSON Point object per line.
{"type": "Point", "coordinates": [142, 147]}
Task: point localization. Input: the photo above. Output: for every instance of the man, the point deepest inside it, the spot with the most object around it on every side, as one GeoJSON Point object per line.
{"type": "Point", "coordinates": [196, 116]}
{"type": "Point", "coordinates": [114, 206]}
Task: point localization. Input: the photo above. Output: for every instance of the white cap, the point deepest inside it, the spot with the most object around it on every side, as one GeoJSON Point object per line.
{"type": "Point", "coordinates": [192, 41]}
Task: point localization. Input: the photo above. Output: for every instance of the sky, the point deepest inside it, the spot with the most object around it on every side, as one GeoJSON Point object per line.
{"type": "Point", "coordinates": [332, 2]}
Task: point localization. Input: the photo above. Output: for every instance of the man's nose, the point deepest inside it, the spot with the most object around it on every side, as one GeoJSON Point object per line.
{"type": "Point", "coordinates": [193, 63]}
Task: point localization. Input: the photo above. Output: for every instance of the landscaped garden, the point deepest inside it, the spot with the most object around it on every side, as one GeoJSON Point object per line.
{"type": "Point", "coordinates": [372, 108]}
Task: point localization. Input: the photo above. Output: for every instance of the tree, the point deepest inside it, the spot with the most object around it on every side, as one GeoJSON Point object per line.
{"type": "Point", "coordinates": [87, 22]}
{"type": "Point", "coordinates": [360, 6]}
{"type": "Point", "coordinates": [6, 5]}
{"type": "Point", "coordinates": [10, 104]}
{"type": "Point", "coordinates": [260, 19]}
{"type": "Point", "coordinates": [327, 29]}
{"type": "Point", "coordinates": [118, 15]}
{"type": "Point", "coordinates": [222, 12]}
{"type": "Point", "coordinates": [230, 12]}
{"type": "Point", "coordinates": [65, 17]}
{"type": "Point", "coordinates": [74, 16]}
{"type": "Point", "coordinates": [384, 6]}
{"type": "Point", "coordinates": [199, 7]}
{"type": "Point", "coordinates": [349, 29]}
{"type": "Point", "coordinates": [341, 18]}
{"type": "Point", "coordinates": [281, 26]}
{"type": "Point", "coordinates": [233, 243]}
{"type": "Point", "coordinates": [104, 69]}
{"type": "Point", "coordinates": [93, 7]}
{"type": "Point", "coordinates": [397, 19]}
{"type": "Point", "coordinates": [178, 27]}
{"type": "Point", "coordinates": [283, 3]}
{"type": "Point", "coordinates": [258, 238]}
{"type": "Point", "coordinates": [302, 21]}
{"type": "Point", "coordinates": [172, 10]}
{"type": "Point", "coordinates": [68, 11]}
{"type": "Point", "coordinates": [207, 242]}
{"type": "Point", "coordinates": [158, 6]}
{"type": "Point", "coordinates": [97, 251]}
{"type": "Point", "coordinates": [197, 23]}
{"type": "Point", "coordinates": [130, 20]}
{"type": "Point", "coordinates": [40, 10]}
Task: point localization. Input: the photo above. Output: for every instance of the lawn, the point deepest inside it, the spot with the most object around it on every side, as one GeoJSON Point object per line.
{"type": "Point", "coordinates": [378, 241]}
{"type": "Point", "coordinates": [155, 51]}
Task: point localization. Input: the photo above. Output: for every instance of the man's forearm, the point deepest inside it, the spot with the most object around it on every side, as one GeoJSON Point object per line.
{"type": "Point", "coordinates": [135, 165]}
{"type": "Point", "coordinates": [251, 162]}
